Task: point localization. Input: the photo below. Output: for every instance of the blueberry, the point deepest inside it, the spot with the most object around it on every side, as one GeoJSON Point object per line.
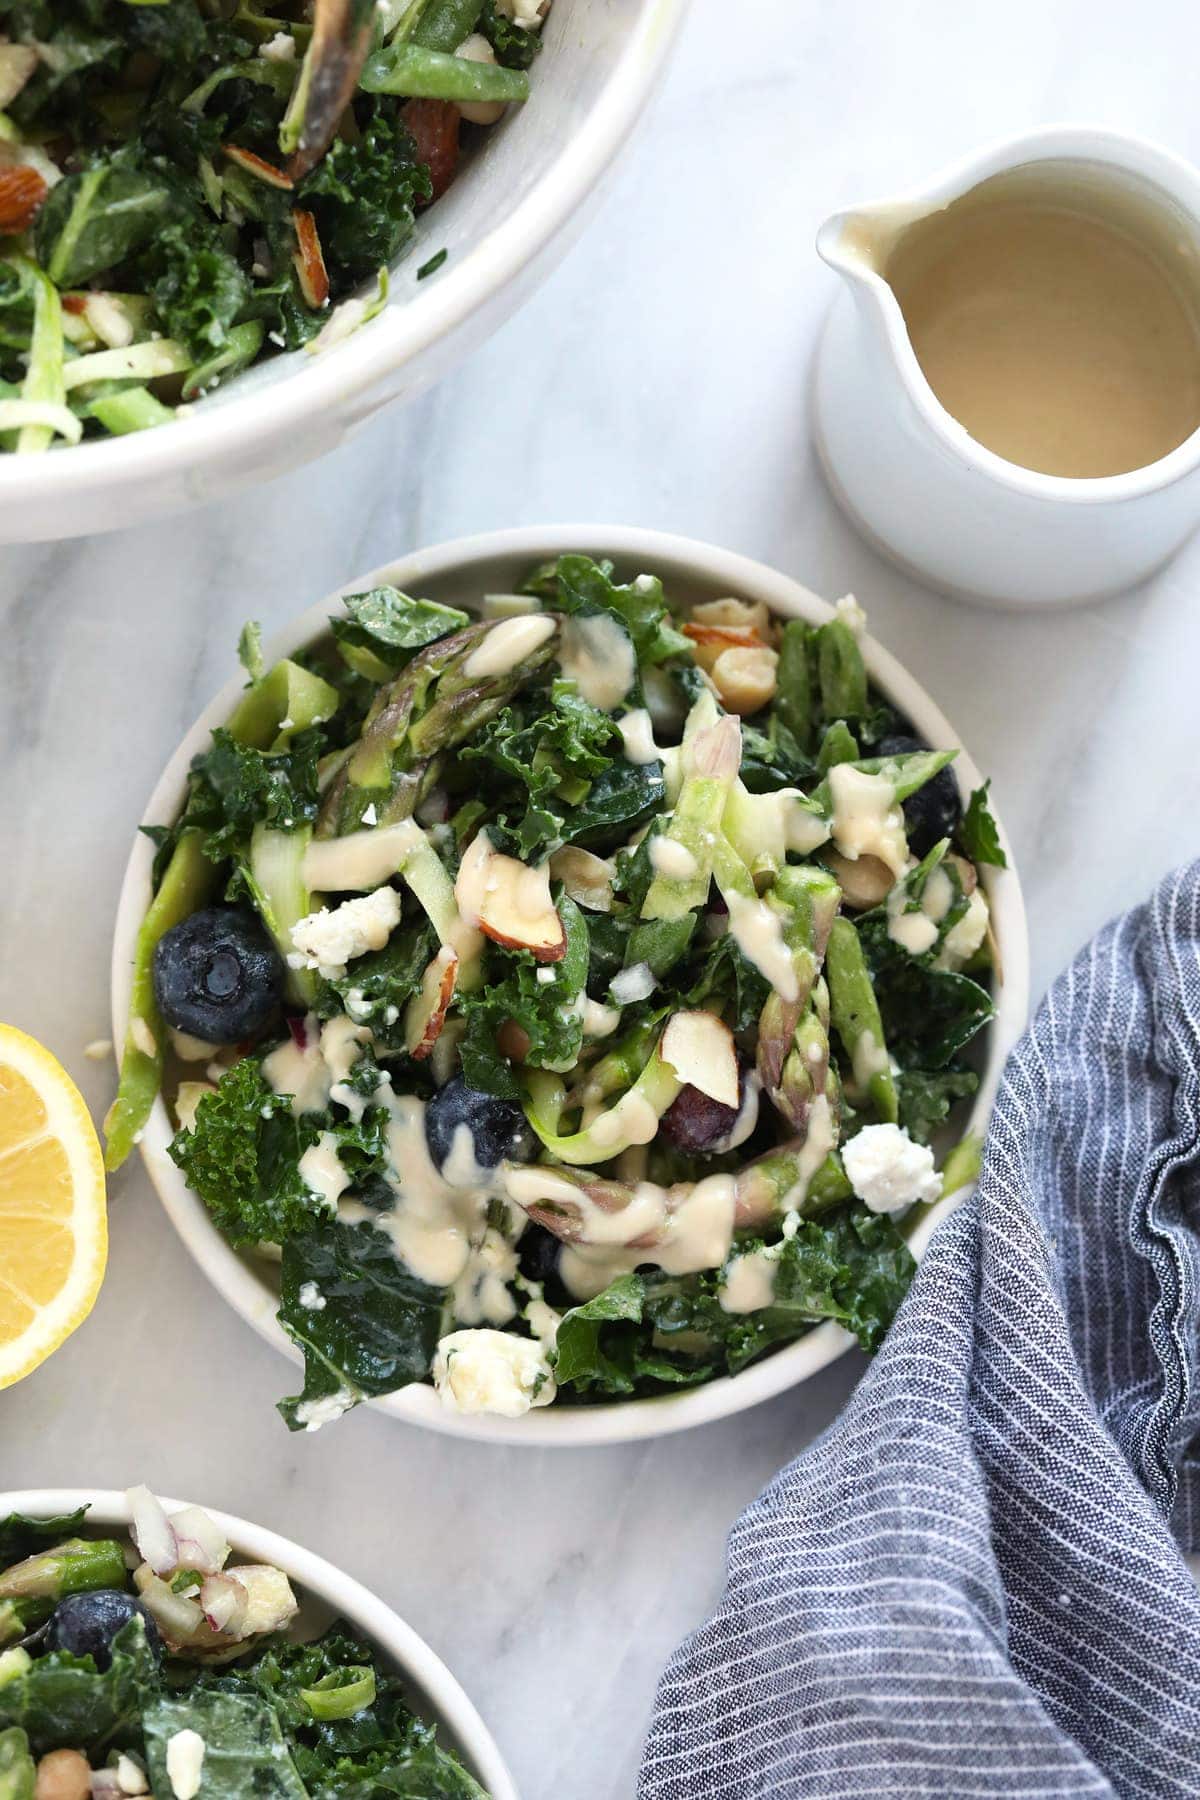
{"type": "Point", "coordinates": [86, 1624]}
{"type": "Point", "coordinates": [539, 1251]}
{"type": "Point", "coordinates": [933, 812]}
{"type": "Point", "coordinates": [497, 1127]}
{"type": "Point", "coordinates": [217, 975]}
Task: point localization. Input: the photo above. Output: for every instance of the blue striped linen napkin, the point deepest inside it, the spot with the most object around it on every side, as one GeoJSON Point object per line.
{"type": "Point", "coordinates": [972, 1584]}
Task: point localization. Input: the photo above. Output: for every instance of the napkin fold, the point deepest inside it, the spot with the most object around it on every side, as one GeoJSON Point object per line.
{"type": "Point", "coordinates": [972, 1583]}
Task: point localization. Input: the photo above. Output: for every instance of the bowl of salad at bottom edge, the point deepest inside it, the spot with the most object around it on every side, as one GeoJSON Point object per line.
{"type": "Point", "coordinates": [245, 1591]}
{"type": "Point", "coordinates": [693, 574]}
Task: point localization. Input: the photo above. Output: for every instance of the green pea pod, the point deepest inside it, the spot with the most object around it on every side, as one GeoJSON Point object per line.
{"type": "Point", "coordinates": [856, 1018]}
{"type": "Point", "coordinates": [962, 1164]}
{"type": "Point", "coordinates": [837, 746]}
{"type": "Point", "coordinates": [794, 697]}
{"type": "Point", "coordinates": [412, 70]}
{"type": "Point", "coordinates": [444, 24]}
{"type": "Point", "coordinates": [841, 672]}
{"type": "Point", "coordinates": [17, 1773]}
{"type": "Point", "coordinates": [186, 885]}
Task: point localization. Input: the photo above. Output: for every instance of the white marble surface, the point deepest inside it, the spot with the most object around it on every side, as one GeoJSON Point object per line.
{"type": "Point", "coordinates": [658, 379]}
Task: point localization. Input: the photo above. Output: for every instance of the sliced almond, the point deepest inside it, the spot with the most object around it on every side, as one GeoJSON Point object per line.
{"type": "Point", "coordinates": [310, 260]}
{"type": "Point", "coordinates": [509, 902]}
{"type": "Point", "coordinates": [968, 874]}
{"type": "Point", "coordinates": [699, 1047]}
{"type": "Point", "coordinates": [425, 1014]}
{"type": "Point", "coordinates": [258, 166]}
{"type": "Point", "coordinates": [587, 878]}
{"type": "Point", "coordinates": [512, 1040]}
{"type": "Point", "coordinates": [22, 191]}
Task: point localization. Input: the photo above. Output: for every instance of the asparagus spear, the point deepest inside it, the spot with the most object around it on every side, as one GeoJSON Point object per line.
{"type": "Point", "coordinates": [432, 705]}
{"type": "Point", "coordinates": [17, 1773]}
{"type": "Point", "coordinates": [72, 1567]}
{"type": "Point", "coordinates": [684, 852]}
{"type": "Point", "coordinates": [342, 35]}
{"type": "Point", "coordinates": [856, 1016]}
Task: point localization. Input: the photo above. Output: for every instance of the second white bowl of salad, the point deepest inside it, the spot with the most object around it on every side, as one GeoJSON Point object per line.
{"type": "Point", "coordinates": [148, 1647]}
{"type": "Point", "coordinates": [230, 235]}
{"type": "Point", "coordinates": [562, 986]}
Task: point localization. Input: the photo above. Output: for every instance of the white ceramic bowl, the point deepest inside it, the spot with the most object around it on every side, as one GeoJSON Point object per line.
{"type": "Point", "coordinates": [457, 572]}
{"type": "Point", "coordinates": [506, 220]}
{"type": "Point", "coordinates": [431, 1689]}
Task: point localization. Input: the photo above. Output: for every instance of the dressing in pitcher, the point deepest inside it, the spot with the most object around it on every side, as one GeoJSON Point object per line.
{"type": "Point", "coordinates": [1057, 321]}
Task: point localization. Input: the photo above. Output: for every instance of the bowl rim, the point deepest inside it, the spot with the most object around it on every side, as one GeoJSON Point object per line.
{"type": "Point", "coordinates": [420, 1666]}
{"type": "Point", "coordinates": [683, 560]}
{"type": "Point", "coordinates": [332, 383]}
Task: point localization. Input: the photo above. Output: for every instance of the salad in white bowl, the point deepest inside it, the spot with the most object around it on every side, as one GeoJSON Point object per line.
{"type": "Point", "coordinates": [571, 991]}
{"type": "Point", "coordinates": [157, 1649]}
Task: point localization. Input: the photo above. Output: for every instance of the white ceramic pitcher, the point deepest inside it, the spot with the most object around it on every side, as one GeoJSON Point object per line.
{"type": "Point", "coordinates": [913, 480]}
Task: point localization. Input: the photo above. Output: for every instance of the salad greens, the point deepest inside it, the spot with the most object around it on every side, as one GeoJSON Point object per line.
{"type": "Point", "coordinates": [620, 962]}
{"type": "Point", "coordinates": [127, 1673]}
{"type": "Point", "coordinates": [187, 186]}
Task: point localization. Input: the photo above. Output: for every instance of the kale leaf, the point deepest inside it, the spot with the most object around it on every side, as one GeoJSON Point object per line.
{"type": "Point", "coordinates": [385, 626]}
{"type": "Point", "coordinates": [381, 1749]}
{"type": "Point", "coordinates": [515, 45]}
{"type": "Point", "coordinates": [20, 1536]}
{"type": "Point", "coordinates": [243, 1152]}
{"type": "Point", "coordinates": [926, 1097]}
{"type": "Point", "coordinates": [549, 1012]}
{"type": "Point", "coordinates": [583, 586]}
{"type": "Point", "coordinates": [200, 290]}
{"type": "Point", "coordinates": [377, 986]}
{"type": "Point", "coordinates": [94, 220]}
{"type": "Point", "coordinates": [233, 788]}
{"type": "Point", "coordinates": [365, 194]}
{"type": "Point", "coordinates": [246, 1755]}
{"type": "Point", "coordinates": [647, 1331]}
{"type": "Point", "coordinates": [63, 1699]}
{"type": "Point", "coordinates": [978, 834]}
{"type": "Point", "coordinates": [379, 1325]}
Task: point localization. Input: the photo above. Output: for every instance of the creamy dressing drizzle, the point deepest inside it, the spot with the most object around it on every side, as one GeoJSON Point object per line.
{"type": "Point", "coordinates": [671, 859]}
{"type": "Point", "coordinates": [321, 1171]}
{"type": "Point", "coordinates": [758, 932]}
{"type": "Point", "coordinates": [870, 1058]}
{"type": "Point", "coordinates": [597, 656]}
{"type": "Point", "coordinates": [867, 820]}
{"type": "Point", "coordinates": [637, 735]}
{"type": "Point", "coordinates": [692, 1233]}
{"type": "Point", "coordinates": [360, 860]}
{"type": "Point", "coordinates": [749, 1283]}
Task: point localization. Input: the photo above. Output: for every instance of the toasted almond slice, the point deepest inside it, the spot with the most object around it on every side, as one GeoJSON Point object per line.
{"type": "Point", "coordinates": [22, 191]}
{"type": "Point", "coordinates": [258, 166]}
{"type": "Point", "coordinates": [699, 1047]}
{"type": "Point", "coordinates": [509, 902]}
{"type": "Point", "coordinates": [309, 259]}
{"type": "Point", "coordinates": [426, 1011]}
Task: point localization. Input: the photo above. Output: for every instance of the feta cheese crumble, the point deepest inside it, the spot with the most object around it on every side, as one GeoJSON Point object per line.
{"type": "Point", "coordinates": [888, 1171]}
{"type": "Point", "coordinates": [327, 941]}
{"type": "Point", "coordinates": [492, 1372]}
